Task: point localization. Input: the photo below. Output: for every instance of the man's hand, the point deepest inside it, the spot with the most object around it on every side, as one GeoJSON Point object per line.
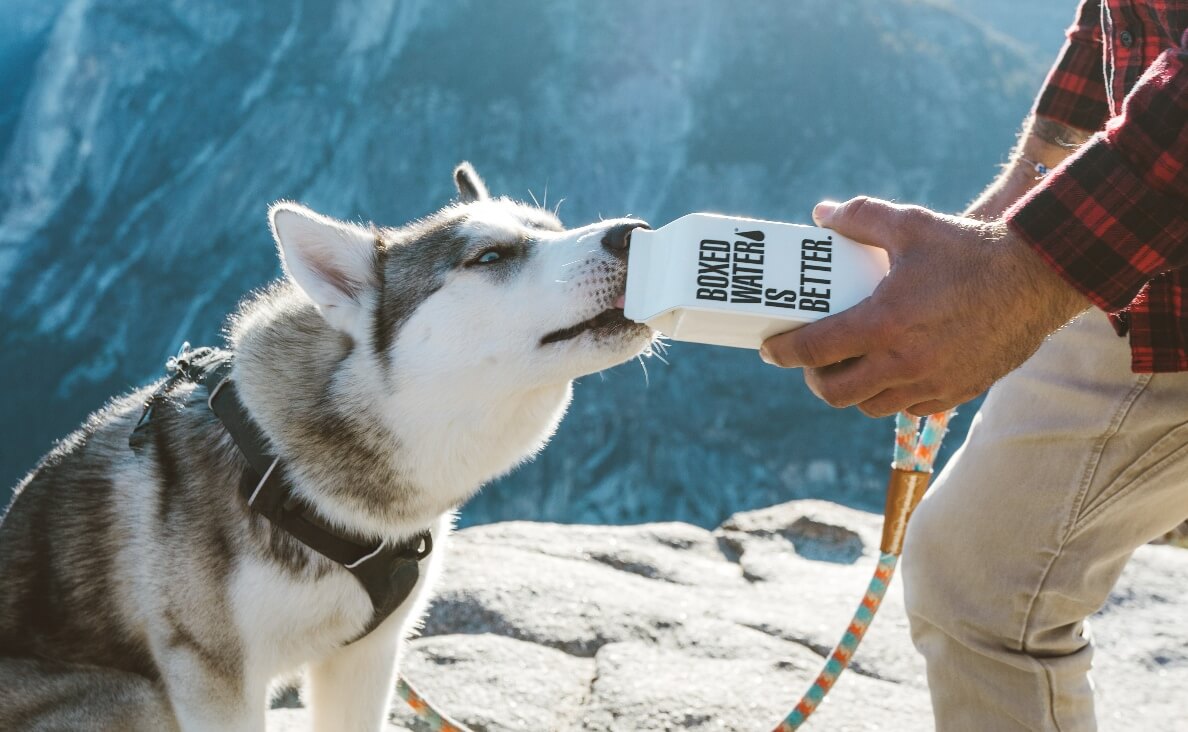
{"type": "Point", "coordinates": [964, 304]}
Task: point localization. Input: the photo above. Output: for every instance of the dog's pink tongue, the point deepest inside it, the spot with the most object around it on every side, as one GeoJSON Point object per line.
{"type": "Point", "coordinates": [621, 301]}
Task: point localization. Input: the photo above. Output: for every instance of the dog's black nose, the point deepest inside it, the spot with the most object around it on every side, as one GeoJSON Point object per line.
{"type": "Point", "coordinates": [617, 238]}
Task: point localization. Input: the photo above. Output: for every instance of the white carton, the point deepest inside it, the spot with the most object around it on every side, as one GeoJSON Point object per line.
{"type": "Point", "coordinates": [732, 281]}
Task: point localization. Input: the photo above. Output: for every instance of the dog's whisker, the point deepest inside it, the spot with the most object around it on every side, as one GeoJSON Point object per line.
{"type": "Point", "coordinates": [580, 259]}
{"type": "Point", "coordinates": [657, 349]}
{"type": "Point", "coordinates": [657, 353]}
{"type": "Point", "coordinates": [533, 195]}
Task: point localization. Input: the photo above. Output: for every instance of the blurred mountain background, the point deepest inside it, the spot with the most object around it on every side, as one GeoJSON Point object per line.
{"type": "Point", "coordinates": [141, 142]}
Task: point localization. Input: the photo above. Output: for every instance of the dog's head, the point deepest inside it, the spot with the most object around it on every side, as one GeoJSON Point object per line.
{"type": "Point", "coordinates": [487, 290]}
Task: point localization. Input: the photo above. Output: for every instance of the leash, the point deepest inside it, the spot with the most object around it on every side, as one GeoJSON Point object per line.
{"type": "Point", "coordinates": [435, 720]}
{"type": "Point", "coordinates": [911, 470]}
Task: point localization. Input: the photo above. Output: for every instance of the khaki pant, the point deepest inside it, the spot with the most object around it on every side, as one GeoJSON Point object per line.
{"type": "Point", "coordinates": [1071, 464]}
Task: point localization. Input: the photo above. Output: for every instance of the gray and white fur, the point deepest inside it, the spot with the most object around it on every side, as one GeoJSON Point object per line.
{"type": "Point", "coordinates": [394, 370]}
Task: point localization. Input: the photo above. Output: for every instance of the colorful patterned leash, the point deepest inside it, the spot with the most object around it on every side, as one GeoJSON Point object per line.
{"type": "Point", "coordinates": [436, 721]}
{"type": "Point", "coordinates": [910, 473]}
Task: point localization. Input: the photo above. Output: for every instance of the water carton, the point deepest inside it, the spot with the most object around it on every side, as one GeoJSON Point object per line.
{"type": "Point", "coordinates": [731, 281]}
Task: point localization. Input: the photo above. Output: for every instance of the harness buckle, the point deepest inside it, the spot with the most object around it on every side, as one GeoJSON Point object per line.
{"type": "Point", "coordinates": [425, 547]}
{"type": "Point", "coordinates": [189, 363]}
{"type": "Point", "coordinates": [180, 363]}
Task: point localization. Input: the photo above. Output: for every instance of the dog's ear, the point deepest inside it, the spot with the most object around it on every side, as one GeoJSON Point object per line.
{"type": "Point", "coordinates": [331, 261]}
{"type": "Point", "coordinates": [470, 186]}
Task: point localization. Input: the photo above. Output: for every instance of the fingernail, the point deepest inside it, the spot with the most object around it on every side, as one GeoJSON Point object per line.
{"type": "Point", "coordinates": [766, 355]}
{"type": "Point", "coordinates": [823, 212]}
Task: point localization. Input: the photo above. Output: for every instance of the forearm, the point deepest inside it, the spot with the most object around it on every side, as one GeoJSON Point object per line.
{"type": "Point", "coordinates": [1042, 141]}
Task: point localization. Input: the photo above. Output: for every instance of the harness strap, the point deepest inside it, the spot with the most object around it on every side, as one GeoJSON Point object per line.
{"type": "Point", "coordinates": [388, 573]}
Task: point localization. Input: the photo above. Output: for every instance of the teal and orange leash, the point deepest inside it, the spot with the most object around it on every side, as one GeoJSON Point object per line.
{"type": "Point", "coordinates": [436, 721]}
{"type": "Point", "coordinates": [915, 453]}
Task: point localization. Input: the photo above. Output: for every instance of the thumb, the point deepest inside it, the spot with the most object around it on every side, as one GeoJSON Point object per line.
{"type": "Point", "coordinates": [867, 220]}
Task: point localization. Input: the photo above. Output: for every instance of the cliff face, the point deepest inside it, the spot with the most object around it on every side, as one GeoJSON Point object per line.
{"type": "Point", "coordinates": [140, 144]}
{"type": "Point", "coordinates": [670, 626]}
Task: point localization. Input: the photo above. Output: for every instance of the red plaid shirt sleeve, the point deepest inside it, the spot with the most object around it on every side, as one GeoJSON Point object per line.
{"type": "Point", "coordinates": [1074, 93]}
{"type": "Point", "coordinates": [1115, 215]}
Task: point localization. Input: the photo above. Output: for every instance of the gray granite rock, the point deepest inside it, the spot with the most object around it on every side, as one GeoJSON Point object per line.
{"type": "Point", "coordinates": [669, 626]}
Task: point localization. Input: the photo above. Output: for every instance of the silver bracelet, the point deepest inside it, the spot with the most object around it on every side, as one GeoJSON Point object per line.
{"type": "Point", "coordinates": [1041, 170]}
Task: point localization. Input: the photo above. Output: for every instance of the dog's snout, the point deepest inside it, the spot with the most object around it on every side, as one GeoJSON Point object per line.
{"type": "Point", "coordinates": [617, 238]}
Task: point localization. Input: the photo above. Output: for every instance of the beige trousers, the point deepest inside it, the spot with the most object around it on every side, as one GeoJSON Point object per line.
{"type": "Point", "coordinates": [1071, 464]}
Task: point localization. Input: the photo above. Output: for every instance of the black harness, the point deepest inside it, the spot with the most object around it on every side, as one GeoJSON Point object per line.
{"type": "Point", "coordinates": [387, 572]}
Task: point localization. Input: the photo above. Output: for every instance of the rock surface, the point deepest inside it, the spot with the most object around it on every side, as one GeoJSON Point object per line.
{"type": "Point", "coordinates": [669, 626]}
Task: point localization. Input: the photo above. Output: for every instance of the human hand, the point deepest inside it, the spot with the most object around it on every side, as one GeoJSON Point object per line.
{"type": "Point", "coordinates": [964, 304]}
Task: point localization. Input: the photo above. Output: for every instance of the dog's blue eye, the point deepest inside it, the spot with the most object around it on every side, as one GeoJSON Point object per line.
{"type": "Point", "coordinates": [488, 257]}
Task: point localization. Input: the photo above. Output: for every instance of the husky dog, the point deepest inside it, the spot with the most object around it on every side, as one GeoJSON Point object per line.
{"type": "Point", "coordinates": [394, 371]}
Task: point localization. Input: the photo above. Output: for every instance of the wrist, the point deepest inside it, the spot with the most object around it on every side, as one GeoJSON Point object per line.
{"type": "Point", "coordinates": [1043, 145]}
{"type": "Point", "coordinates": [1015, 181]}
{"type": "Point", "coordinates": [1055, 300]}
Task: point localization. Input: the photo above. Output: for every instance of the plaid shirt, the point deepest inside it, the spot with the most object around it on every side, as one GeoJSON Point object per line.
{"type": "Point", "coordinates": [1113, 218]}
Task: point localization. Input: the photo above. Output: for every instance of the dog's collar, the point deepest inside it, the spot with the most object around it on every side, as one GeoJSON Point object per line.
{"type": "Point", "coordinates": [387, 572]}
